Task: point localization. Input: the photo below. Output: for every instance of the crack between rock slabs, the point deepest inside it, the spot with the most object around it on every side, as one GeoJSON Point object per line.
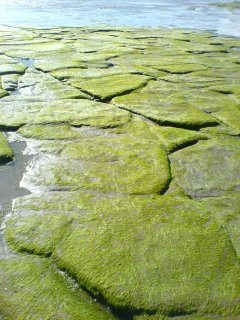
{"type": "Point", "coordinates": [221, 122]}
{"type": "Point", "coordinates": [169, 182]}
{"type": "Point", "coordinates": [108, 99]}
{"type": "Point", "coordinates": [166, 123]}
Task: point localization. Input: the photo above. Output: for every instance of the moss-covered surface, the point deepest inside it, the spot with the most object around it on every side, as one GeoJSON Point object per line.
{"type": "Point", "coordinates": [168, 111]}
{"type": "Point", "coordinates": [31, 288]}
{"type": "Point", "coordinates": [209, 168]}
{"type": "Point", "coordinates": [150, 253]}
{"type": "Point", "coordinates": [6, 153]}
{"type": "Point", "coordinates": [131, 165]}
{"type": "Point", "coordinates": [108, 87]}
{"type": "Point", "coordinates": [136, 195]}
{"type": "Point", "coordinates": [75, 112]}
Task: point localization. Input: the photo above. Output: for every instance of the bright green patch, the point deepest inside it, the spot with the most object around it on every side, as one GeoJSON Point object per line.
{"type": "Point", "coordinates": [165, 111]}
{"type": "Point", "coordinates": [119, 164]}
{"type": "Point", "coordinates": [169, 248]}
{"type": "Point", "coordinates": [32, 289]}
{"type": "Point", "coordinates": [108, 87]}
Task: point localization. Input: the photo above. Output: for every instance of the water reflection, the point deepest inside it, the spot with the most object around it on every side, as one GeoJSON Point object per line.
{"type": "Point", "coordinates": [153, 13]}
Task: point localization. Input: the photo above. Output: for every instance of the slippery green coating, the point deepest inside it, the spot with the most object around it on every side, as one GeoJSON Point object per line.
{"type": "Point", "coordinates": [75, 112]}
{"type": "Point", "coordinates": [6, 153]}
{"type": "Point", "coordinates": [135, 137]}
{"type": "Point", "coordinates": [171, 249]}
{"type": "Point", "coordinates": [131, 165]}
{"type": "Point", "coordinates": [46, 293]}
{"type": "Point", "coordinates": [106, 88]}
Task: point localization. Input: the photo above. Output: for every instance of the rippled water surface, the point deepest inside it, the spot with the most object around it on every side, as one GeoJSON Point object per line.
{"type": "Point", "coordinates": [195, 14]}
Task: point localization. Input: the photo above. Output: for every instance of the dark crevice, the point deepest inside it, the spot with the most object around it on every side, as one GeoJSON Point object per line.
{"type": "Point", "coordinates": [10, 128]}
{"type": "Point", "coordinates": [166, 188]}
{"type": "Point", "coordinates": [220, 121]}
{"type": "Point", "coordinates": [185, 145]}
{"type": "Point", "coordinates": [175, 72]}
{"type": "Point", "coordinates": [206, 52]}
{"type": "Point", "coordinates": [121, 313]}
{"type": "Point", "coordinates": [5, 160]}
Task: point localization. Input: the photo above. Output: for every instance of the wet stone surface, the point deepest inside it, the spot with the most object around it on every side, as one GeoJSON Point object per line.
{"type": "Point", "coordinates": [123, 173]}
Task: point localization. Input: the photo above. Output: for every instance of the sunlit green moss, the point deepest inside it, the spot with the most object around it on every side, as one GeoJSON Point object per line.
{"type": "Point", "coordinates": [152, 253]}
{"type": "Point", "coordinates": [31, 288]}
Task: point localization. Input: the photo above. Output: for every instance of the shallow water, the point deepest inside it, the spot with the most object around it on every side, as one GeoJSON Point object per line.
{"type": "Point", "coordinates": [10, 177]}
{"type": "Point", "coordinates": [194, 14]}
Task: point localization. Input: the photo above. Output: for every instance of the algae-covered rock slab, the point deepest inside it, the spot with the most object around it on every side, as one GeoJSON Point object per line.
{"type": "Point", "coordinates": [12, 69]}
{"type": "Point", "coordinates": [43, 87]}
{"type": "Point", "coordinates": [104, 163]}
{"type": "Point", "coordinates": [6, 153]}
{"type": "Point", "coordinates": [209, 168]}
{"type": "Point", "coordinates": [153, 253]}
{"type": "Point", "coordinates": [134, 138]}
{"type": "Point", "coordinates": [164, 111]}
{"type": "Point", "coordinates": [75, 112]}
{"type": "Point", "coordinates": [47, 295]}
{"type": "Point", "coordinates": [108, 87]}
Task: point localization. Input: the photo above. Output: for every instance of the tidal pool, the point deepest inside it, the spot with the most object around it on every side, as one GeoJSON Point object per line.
{"type": "Point", "coordinates": [154, 13]}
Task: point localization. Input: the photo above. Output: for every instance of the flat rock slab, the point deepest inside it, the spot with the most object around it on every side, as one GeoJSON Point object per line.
{"type": "Point", "coordinates": [134, 137]}
{"type": "Point", "coordinates": [209, 168]}
{"type": "Point", "coordinates": [105, 162]}
{"type": "Point", "coordinates": [75, 112]}
{"type": "Point", "coordinates": [164, 111]}
{"type": "Point", "coordinates": [106, 88]}
{"type": "Point", "coordinates": [157, 253]}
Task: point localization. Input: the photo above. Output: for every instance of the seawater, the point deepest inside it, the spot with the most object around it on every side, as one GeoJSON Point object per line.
{"type": "Point", "coordinates": [193, 14]}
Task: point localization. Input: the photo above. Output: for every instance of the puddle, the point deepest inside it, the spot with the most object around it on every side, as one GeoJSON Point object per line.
{"type": "Point", "coordinates": [10, 177]}
{"type": "Point", "coordinates": [28, 62]}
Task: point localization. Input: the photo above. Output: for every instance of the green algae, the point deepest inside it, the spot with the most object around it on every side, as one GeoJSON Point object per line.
{"type": "Point", "coordinates": [118, 164]}
{"type": "Point", "coordinates": [226, 211]}
{"type": "Point", "coordinates": [169, 248]}
{"type": "Point", "coordinates": [151, 256]}
{"type": "Point", "coordinates": [3, 93]}
{"type": "Point", "coordinates": [78, 74]}
{"type": "Point", "coordinates": [50, 132]}
{"type": "Point", "coordinates": [74, 112]}
{"type": "Point", "coordinates": [12, 68]}
{"type": "Point", "coordinates": [200, 169]}
{"type": "Point", "coordinates": [108, 87]}
{"type": "Point", "coordinates": [6, 153]}
{"type": "Point", "coordinates": [32, 50]}
{"type": "Point", "coordinates": [46, 293]}
{"type": "Point", "coordinates": [170, 138]}
{"type": "Point", "coordinates": [164, 111]}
